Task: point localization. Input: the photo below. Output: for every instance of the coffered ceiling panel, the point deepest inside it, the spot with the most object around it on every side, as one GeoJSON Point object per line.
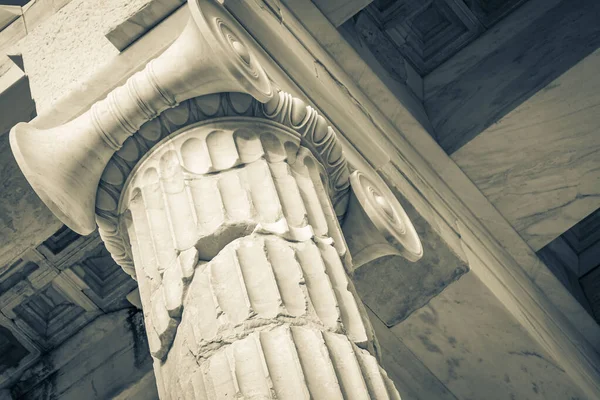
{"type": "Point", "coordinates": [488, 12]}
{"type": "Point", "coordinates": [52, 292]}
{"type": "Point", "coordinates": [17, 352]}
{"type": "Point", "coordinates": [427, 33]}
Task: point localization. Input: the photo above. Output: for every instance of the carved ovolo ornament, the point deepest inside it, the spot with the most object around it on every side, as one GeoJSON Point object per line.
{"type": "Point", "coordinates": [282, 111]}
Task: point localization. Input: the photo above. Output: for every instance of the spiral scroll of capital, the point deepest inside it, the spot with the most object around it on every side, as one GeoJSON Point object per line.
{"type": "Point", "coordinates": [376, 225]}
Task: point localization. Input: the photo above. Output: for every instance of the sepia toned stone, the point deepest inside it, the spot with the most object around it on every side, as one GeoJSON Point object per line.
{"type": "Point", "coordinates": [228, 216]}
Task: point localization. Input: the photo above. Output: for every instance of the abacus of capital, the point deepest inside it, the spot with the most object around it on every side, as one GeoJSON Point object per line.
{"type": "Point", "coordinates": [224, 200]}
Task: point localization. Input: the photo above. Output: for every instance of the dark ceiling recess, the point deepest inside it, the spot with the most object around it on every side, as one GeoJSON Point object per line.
{"type": "Point", "coordinates": [429, 32]}
{"type": "Point", "coordinates": [14, 2]}
{"type": "Point", "coordinates": [574, 258]}
{"type": "Point", "coordinates": [11, 351]}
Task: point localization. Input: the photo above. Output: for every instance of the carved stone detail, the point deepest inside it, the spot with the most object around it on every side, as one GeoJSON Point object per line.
{"type": "Point", "coordinates": [287, 362]}
{"type": "Point", "coordinates": [224, 201]}
{"type": "Point", "coordinates": [210, 56]}
{"type": "Point", "coordinates": [218, 181]}
{"type": "Point", "coordinates": [377, 225]}
{"type": "Point", "coordinates": [309, 128]}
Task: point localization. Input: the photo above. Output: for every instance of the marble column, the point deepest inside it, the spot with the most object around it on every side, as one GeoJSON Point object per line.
{"type": "Point", "coordinates": [223, 199]}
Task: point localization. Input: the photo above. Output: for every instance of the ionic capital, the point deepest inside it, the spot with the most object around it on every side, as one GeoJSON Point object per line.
{"type": "Point", "coordinates": [211, 56]}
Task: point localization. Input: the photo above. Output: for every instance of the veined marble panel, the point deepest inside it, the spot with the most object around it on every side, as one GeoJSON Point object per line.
{"type": "Point", "coordinates": [469, 340]}
{"type": "Point", "coordinates": [540, 164]}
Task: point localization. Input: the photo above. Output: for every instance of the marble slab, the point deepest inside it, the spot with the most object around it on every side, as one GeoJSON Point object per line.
{"type": "Point", "coordinates": [8, 14]}
{"type": "Point", "coordinates": [67, 47]}
{"type": "Point", "coordinates": [477, 349]}
{"type": "Point", "coordinates": [16, 104]}
{"type": "Point", "coordinates": [524, 53]}
{"type": "Point", "coordinates": [540, 164]}
{"type": "Point", "coordinates": [37, 11]}
{"type": "Point", "coordinates": [12, 33]}
{"type": "Point", "coordinates": [338, 11]}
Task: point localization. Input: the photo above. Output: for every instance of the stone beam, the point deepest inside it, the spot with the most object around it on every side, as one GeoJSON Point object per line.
{"type": "Point", "coordinates": [144, 19]}
{"type": "Point", "coordinates": [414, 379]}
{"type": "Point", "coordinates": [538, 165]}
{"type": "Point", "coordinates": [478, 350]}
{"type": "Point", "coordinates": [8, 14]}
{"type": "Point", "coordinates": [523, 53]}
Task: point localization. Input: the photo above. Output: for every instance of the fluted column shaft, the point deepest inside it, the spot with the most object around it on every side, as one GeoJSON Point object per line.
{"type": "Point", "coordinates": [245, 293]}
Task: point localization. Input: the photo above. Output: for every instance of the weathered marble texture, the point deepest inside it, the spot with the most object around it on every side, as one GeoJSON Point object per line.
{"type": "Point", "coordinates": [16, 104]}
{"type": "Point", "coordinates": [435, 176]}
{"type": "Point", "coordinates": [141, 21]}
{"type": "Point", "coordinates": [273, 301]}
{"type": "Point", "coordinates": [469, 340]}
{"type": "Point", "coordinates": [69, 47]}
{"type": "Point", "coordinates": [413, 379]}
{"type": "Point", "coordinates": [540, 164]}
{"type": "Point", "coordinates": [8, 14]}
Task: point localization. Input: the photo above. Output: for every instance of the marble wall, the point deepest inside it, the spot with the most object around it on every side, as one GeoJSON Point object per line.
{"type": "Point", "coordinates": [69, 46]}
